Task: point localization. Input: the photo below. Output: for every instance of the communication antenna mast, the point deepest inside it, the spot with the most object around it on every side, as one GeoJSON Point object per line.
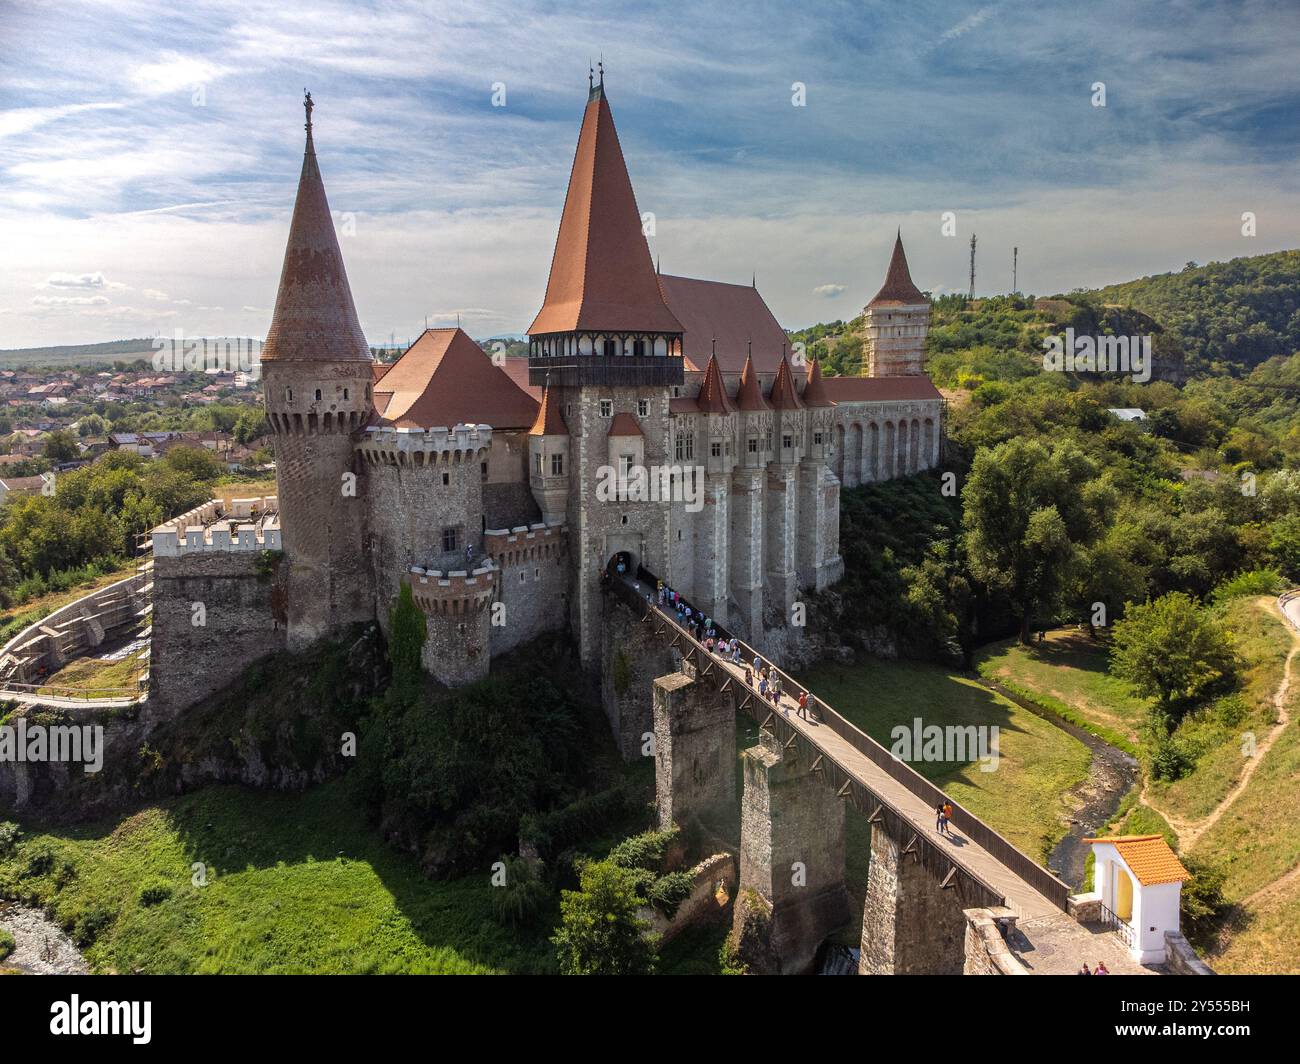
{"type": "Point", "coordinates": [972, 266]}
{"type": "Point", "coordinates": [1015, 256]}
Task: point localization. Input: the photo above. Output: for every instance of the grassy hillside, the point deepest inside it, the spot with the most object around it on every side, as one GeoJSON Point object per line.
{"type": "Point", "coordinates": [104, 354]}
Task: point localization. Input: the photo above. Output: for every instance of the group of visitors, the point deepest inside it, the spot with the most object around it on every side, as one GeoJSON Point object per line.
{"type": "Point", "coordinates": [758, 675]}
{"type": "Point", "coordinates": [1101, 969]}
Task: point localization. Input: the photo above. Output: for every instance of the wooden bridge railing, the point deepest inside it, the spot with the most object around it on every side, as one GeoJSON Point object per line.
{"type": "Point", "coordinates": [997, 846]}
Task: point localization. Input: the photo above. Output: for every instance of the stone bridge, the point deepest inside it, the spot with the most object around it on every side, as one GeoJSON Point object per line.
{"type": "Point", "coordinates": [797, 782]}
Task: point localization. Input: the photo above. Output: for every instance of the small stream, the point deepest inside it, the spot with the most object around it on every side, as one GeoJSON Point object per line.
{"type": "Point", "coordinates": [41, 947]}
{"type": "Point", "coordinates": [1111, 775]}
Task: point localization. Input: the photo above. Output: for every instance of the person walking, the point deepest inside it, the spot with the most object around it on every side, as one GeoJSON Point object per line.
{"type": "Point", "coordinates": [1101, 969]}
{"type": "Point", "coordinates": [803, 704]}
{"type": "Point", "coordinates": [938, 818]}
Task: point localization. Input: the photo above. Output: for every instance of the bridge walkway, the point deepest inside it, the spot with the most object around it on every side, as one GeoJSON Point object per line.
{"type": "Point", "coordinates": [866, 773]}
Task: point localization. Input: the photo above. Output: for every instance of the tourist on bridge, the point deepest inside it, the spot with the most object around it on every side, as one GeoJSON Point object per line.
{"type": "Point", "coordinates": [803, 704]}
{"type": "Point", "coordinates": [1083, 970]}
{"type": "Point", "coordinates": [1101, 969]}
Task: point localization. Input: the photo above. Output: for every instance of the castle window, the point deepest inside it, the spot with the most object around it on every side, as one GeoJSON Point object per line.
{"type": "Point", "coordinates": [715, 449]}
{"type": "Point", "coordinates": [607, 408]}
{"type": "Point", "coordinates": [483, 471]}
{"type": "Point", "coordinates": [638, 348]}
{"type": "Point", "coordinates": [753, 445]}
{"type": "Point", "coordinates": [679, 535]}
{"type": "Point", "coordinates": [643, 408]}
{"type": "Point", "coordinates": [446, 479]}
{"type": "Point", "coordinates": [288, 395]}
{"type": "Point", "coordinates": [522, 576]}
{"type": "Point", "coordinates": [450, 539]}
{"type": "Point", "coordinates": [623, 520]}
{"type": "Point", "coordinates": [537, 463]}
{"type": "Point", "coordinates": [610, 347]}
{"type": "Point", "coordinates": [817, 438]}
{"type": "Point", "coordinates": [367, 391]}
{"type": "Point", "coordinates": [684, 447]}
{"type": "Point", "coordinates": [787, 441]}
{"type": "Point", "coordinates": [537, 574]}
{"type": "Point", "coordinates": [318, 395]}
{"type": "Point", "coordinates": [557, 465]}
{"type": "Point", "coordinates": [345, 393]}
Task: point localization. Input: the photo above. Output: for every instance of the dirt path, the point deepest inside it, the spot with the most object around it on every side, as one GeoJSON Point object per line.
{"type": "Point", "coordinates": [1190, 831]}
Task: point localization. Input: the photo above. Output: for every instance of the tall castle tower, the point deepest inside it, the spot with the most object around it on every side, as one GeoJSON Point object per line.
{"type": "Point", "coordinates": [897, 321]}
{"type": "Point", "coordinates": [608, 349]}
{"type": "Point", "coordinates": [316, 383]}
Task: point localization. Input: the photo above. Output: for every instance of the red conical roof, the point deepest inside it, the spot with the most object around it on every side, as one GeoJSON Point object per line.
{"type": "Point", "coordinates": [750, 395]}
{"type": "Point", "coordinates": [602, 278]}
{"type": "Point", "coordinates": [315, 319]}
{"type": "Point", "coordinates": [784, 396]}
{"type": "Point", "coordinates": [898, 289]}
{"type": "Point", "coordinates": [713, 397]}
{"type": "Point", "coordinates": [814, 392]}
{"type": "Point", "coordinates": [549, 422]}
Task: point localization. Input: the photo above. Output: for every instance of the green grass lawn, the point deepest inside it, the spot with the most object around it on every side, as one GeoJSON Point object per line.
{"type": "Point", "coordinates": [1067, 673]}
{"type": "Point", "coordinates": [296, 883]}
{"type": "Point", "coordinates": [1023, 799]}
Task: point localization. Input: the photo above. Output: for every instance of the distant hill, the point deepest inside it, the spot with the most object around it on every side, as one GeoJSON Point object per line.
{"type": "Point", "coordinates": [1227, 315]}
{"type": "Point", "coordinates": [79, 354]}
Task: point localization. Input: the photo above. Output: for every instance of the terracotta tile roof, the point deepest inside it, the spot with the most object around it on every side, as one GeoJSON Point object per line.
{"type": "Point", "coordinates": [445, 379]}
{"type": "Point", "coordinates": [898, 289]}
{"type": "Point", "coordinates": [784, 394]}
{"type": "Point", "coordinates": [625, 425]}
{"type": "Point", "coordinates": [814, 392]}
{"type": "Point", "coordinates": [733, 315]}
{"type": "Point", "coordinates": [517, 370]}
{"type": "Point", "coordinates": [879, 389]}
{"type": "Point", "coordinates": [314, 316]}
{"type": "Point", "coordinates": [750, 394]}
{"type": "Point", "coordinates": [378, 370]}
{"type": "Point", "coordinates": [601, 273]}
{"type": "Point", "coordinates": [549, 421]}
{"type": "Point", "coordinates": [713, 397]}
{"type": "Point", "coordinates": [683, 405]}
{"type": "Point", "coordinates": [1149, 858]}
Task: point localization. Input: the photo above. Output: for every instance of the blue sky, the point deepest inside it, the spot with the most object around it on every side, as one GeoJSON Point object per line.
{"type": "Point", "coordinates": [148, 155]}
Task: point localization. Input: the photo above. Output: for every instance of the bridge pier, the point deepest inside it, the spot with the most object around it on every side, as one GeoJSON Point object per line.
{"type": "Point", "coordinates": [911, 924]}
{"type": "Point", "coordinates": [695, 751]}
{"type": "Point", "coordinates": [791, 861]}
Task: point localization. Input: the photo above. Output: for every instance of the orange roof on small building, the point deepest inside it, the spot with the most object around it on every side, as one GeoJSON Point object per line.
{"type": "Point", "coordinates": [445, 379]}
{"type": "Point", "coordinates": [713, 397]}
{"type": "Point", "coordinates": [898, 289]}
{"type": "Point", "coordinates": [1149, 858]}
{"type": "Point", "coordinates": [784, 394]}
{"type": "Point", "coordinates": [625, 424]}
{"type": "Point", "coordinates": [602, 278]}
{"type": "Point", "coordinates": [814, 392]}
{"type": "Point", "coordinates": [750, 394]}
{"type": "Point", "coordinates": [549, 422]}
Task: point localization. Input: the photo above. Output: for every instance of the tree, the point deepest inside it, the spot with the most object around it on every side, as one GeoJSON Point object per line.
{"type": "Point", "coordinates": [1027, 510]}
{"type": "Point", "coordinates": [408, 628]}
{"type": "Point", "coordinates": [61, 446]}
{"type": "Point", "coordinates": [601, 931]}
{"type": "Point", "coordinates": [1170, 649]}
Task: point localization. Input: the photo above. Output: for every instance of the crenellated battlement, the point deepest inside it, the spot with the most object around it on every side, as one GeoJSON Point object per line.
{"type": "Point", "coordinates": [420, 447]}
{"type": "Point", "coordinates": [525, 543]}
{"type": "Point", "coordinates": [246, 525]}
{"type": "Point", "coordinates": [454, 593]}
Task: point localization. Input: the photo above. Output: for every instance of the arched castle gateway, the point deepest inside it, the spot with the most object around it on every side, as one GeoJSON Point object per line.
{"type": "Point", "coordinates": [499, 494]}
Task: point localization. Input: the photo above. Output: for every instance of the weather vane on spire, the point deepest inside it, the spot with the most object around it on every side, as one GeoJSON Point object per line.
{"type": "Point", "coordinates": [307, 105]}
{"type": "Point", "coordinates": [600, 66]}
{"type": "Point", "coordinates": [591, 75]}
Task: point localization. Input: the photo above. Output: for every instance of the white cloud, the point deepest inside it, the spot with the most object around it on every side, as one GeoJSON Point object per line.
{"type": "Point", "coordinates": [70, 301]}
{"type": "Point", "coordinates": [173, 72]}
{"type": "Point", "coordinates": [830, 291]}
{"type": "Point", "coordinates": [155, 295]}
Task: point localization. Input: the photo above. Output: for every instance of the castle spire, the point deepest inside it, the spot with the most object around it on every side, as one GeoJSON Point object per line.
{"type": "Point", "coordinates": [315, 318]}
{"type": "Point", "coordinates": [814, 392]}
{"type": "Point", "coordinates": [713, 397]}
{"type": "Point", "coordinates": [750, 394]}
{"type": "Point", "coordinates": [898, 288]}
{"type": "Point", "coordinates": [784, 395]}
{"type": "Point", "coordinates": [602, 277]}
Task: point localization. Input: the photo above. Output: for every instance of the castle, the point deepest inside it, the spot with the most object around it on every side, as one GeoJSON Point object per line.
{"type": "Point", "coordinates": [658, 420]}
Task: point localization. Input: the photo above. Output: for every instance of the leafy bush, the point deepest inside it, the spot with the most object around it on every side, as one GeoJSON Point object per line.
{"type": "Point", "coordinates": [601, 930]}
{"type": "Point", "coordinates": [522, 898]}
{"type": "Point", "coordinates": [9, 835]}
{"type": "Point", "coordinates": [1203, 903]}
{"type": "Point", "coordinates": [7, 944]}
{"type": "Point", "coordinates": [643, 851]}
{"type": "Point", "coordinates": [91, 924]}
{"type": "Point", "coordinates": [668, 892]}
{"type": "Point", "coordinates": [1253, 582]}
{"type": "Point", "coordinates": [154, 893]}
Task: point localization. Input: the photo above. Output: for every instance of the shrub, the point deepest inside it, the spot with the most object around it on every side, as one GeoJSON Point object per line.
{"type": "Point", "coordinates": [601, 930]}
{"type": "Point", "coordinates": [39, 862]}
{"type": "Point", "coordinates": [154, 892]}
{"type": "Point", "coordinates": [1253, 582]}
{"type": "Point", "coordinates": [520, 900]}
{"type": "Point", "coordinates": [6, 944]}
{"type": "Point", "coordinates": [669, 891]}
{"type": "Point", "coordinates": [91, 924]}
{"type": "Point", "coordinates": [1203, 903]}
{"type": "Point", "coordinates": [643, 851]}
{"type": "Point", "coordinates": [9, 835]}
